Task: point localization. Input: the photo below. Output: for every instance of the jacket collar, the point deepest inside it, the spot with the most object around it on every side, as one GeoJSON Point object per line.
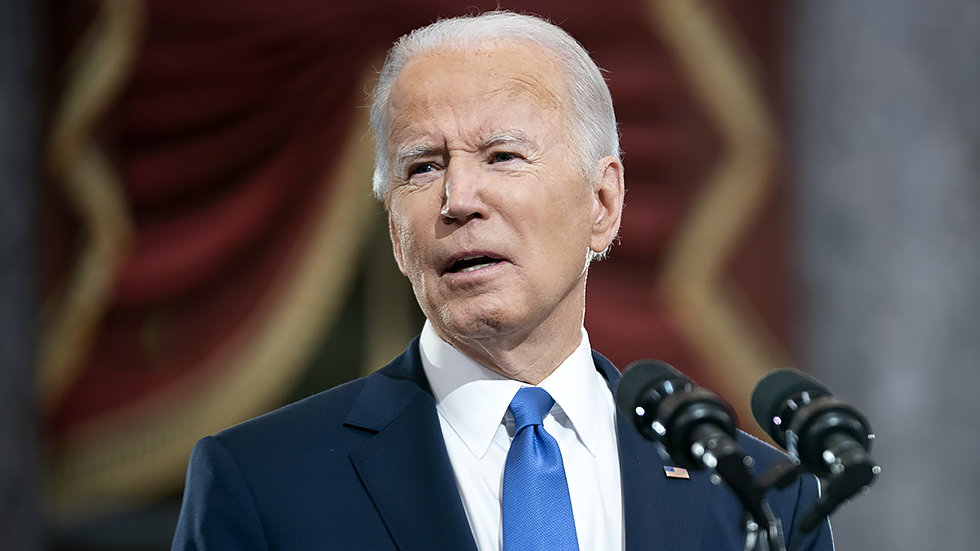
{"type": "Point", "coordinates": [404, 467]}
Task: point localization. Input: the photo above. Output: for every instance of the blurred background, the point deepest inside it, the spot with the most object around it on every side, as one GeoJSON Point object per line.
{"type": "Point", "coordinates": [188, 240]}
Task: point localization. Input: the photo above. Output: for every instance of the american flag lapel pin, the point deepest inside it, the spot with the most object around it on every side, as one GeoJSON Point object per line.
{"type": "Point", "coordinates": [676, 472]}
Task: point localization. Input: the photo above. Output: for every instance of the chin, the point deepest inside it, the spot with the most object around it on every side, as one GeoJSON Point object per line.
{"type": "Point", "coordinates": [478, 324]}
{"type": "Point", "coordinates": [475, 327]}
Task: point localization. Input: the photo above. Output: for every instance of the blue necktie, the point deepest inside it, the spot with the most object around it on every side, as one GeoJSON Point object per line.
{"type": "Point", "coordinates": [536, 508]}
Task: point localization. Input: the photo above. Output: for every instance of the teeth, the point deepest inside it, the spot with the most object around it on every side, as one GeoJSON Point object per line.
{"type": "Point", "coordinates": [472, 262]}
{"type": "Point", "coordinates": [477, 267]}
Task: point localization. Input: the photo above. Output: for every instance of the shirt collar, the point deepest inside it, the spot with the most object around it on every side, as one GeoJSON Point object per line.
{"type": "Point", "coordinates": [473, 399]}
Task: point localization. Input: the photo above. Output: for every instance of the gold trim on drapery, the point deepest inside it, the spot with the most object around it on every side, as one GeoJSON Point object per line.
{"type": "Point", "coordinates": [141, 450]}
{"type": "Point", "coordinates": [716, 319]}
{"type": "Point", "coordinates": [96, 74]}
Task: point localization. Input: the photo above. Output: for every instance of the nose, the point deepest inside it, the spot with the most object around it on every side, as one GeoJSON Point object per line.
{"type": "Point", "coordinates": [463, 196]}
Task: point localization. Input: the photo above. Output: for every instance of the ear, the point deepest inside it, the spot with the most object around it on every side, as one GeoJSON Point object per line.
{"type": "Point", "coordinates": [396, 244]}
{"type": "Point", "coordinates": [608, 192]}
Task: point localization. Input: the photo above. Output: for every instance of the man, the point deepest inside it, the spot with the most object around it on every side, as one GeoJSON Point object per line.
{"type": "Point", "coordinates": [498, 162]}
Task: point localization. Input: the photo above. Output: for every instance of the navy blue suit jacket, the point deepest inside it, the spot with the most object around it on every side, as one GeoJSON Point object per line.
{"type": "Point", "coordinates": [364, 466]}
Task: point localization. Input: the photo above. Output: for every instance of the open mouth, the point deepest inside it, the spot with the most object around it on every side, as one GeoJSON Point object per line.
{"type": "Point", "coordinates": [471, 263]}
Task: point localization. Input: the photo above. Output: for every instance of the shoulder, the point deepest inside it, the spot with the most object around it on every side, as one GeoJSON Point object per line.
{"type": "Point", "coordinates": [311, 415]}
{"type": "Point", "coordinates": [323, 419]}
{"type": "Point", "coordinates": [273, 478]}
{"type": "Point", "coordinates": [763, 453]}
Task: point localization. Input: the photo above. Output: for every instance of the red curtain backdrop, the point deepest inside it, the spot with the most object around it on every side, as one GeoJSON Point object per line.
{"type": "Point", "coordinates": [234, 112]}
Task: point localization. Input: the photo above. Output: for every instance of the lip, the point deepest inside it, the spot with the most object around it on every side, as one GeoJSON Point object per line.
{"type": "Point", "coordinates": [471, 254]}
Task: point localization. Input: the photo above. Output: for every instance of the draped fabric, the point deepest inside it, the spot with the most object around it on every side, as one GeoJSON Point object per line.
{"type": "Point", "coordinates": [237, 142]}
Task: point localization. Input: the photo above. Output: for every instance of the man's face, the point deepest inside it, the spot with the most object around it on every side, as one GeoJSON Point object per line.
{"type": "Point", "coordinates": [491, 217]}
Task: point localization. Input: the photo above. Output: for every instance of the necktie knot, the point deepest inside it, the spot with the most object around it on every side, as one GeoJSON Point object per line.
{"type": "Point", "coordinates": [529, 407]}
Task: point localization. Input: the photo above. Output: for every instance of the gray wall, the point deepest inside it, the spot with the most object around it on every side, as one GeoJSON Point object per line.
{"type": "Point", "coordinates": [20, 524]}
{"type": "Point", "coordinates": [886, 103]}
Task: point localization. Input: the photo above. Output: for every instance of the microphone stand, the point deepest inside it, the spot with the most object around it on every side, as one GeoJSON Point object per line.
{"type": "Point", "coordinates": [839, 488]}
{"type": "Point", "coordinates": [763, 531]}
{"type": "Point", "coordinates": [768, 539]}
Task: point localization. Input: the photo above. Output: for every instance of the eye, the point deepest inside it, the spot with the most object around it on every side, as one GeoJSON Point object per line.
{"type": "Point", "coordinates": [421, 168]}
{"type": "Point", "coordinates": [503, 157]}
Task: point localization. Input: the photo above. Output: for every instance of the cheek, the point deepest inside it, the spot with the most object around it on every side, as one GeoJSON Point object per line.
{"type": "Point", "coordinates": [405, 243]}
{"type": "Point", "coordinates": [409, 246]}
{"type": "Point", "coordinates": [564, 217]}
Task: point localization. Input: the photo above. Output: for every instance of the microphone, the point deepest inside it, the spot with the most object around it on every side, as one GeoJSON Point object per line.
{"type": "Point", "coordinates": [829, 437]}
{"type": "Point", "coordinates": [695, 426]}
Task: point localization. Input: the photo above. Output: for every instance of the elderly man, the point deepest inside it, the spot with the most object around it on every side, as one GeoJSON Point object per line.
{"type": "Point", "coordinates": [498, 162]}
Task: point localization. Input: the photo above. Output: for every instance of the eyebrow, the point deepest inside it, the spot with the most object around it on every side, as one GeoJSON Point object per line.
{"type": "Point", "coordinates": [407, 155]}
{"type": "Point", "coordinates": [507, 137]}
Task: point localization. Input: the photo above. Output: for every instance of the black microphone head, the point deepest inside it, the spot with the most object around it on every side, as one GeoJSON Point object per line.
{"type": "Point", "coordinates": [668, 408]}
{"type": "Point", "coordinates": [771, 394]}
{"type": "Point", "coordinates": [642, 389]}
{"type": "Point", "coordinates": [639, 377]}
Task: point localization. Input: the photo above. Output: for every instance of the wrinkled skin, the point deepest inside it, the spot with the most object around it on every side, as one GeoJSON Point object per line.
{"type": "Point", "coordinates": [491, 216]}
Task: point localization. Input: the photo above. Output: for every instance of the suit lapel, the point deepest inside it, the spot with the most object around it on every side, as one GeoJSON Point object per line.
{"type": "Point", "coordinates": [404, 467]}
{"type": "Point", "coordinates": [657, 511]}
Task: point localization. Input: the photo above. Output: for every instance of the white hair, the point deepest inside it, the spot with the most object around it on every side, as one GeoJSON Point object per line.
{"type": "Point", "coordinates": [592, 122]}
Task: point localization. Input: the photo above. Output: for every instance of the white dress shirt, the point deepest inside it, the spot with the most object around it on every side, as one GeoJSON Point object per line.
{"type": "Point", "coordinates": [478, 427]}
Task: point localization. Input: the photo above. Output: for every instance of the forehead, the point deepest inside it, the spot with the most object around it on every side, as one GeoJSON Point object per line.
{"type": "Point", "coordinates": [502, 72]}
